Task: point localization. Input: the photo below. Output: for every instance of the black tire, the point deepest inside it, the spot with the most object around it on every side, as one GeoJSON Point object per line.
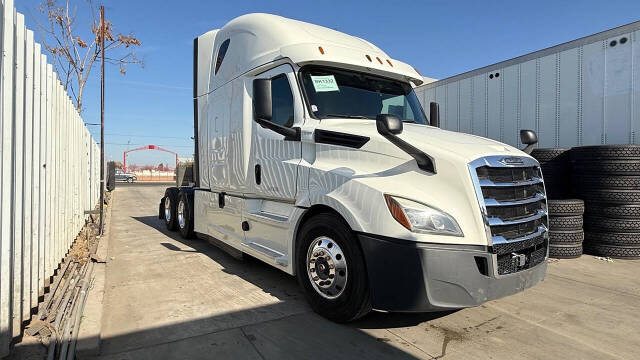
{"type": "Point", "coordinates": [565, 251]}
{"type": "Point", "coordinates": [614, 152]}
{"type": "Point", "coordinates": [565, 222]}
{"type": "Point", "coordinates": [613, 251]}
{"type": "Point", "coordinates": [130, 180]}
{"type": "Point", "coordinates": [555, 172]}
{"type": "Point", "coordinates": [607, 167]}
{"type": "Point", "coordinates": [565, 207]}
{"type": "Point", "coordinates": [354, 301]}
{"type": "Point", "coordinates": [566, 237]}
{"type": "Point", "coordinates": [186, 231]}
{"type": "Point", "coordinates": [551, 155]}
{"type": "Point", "coordinates": [605, 224]}
{"type": "Point", "coordinates": [612, 238]}
{"type": "Point", "coordinates": [614, 211]}
{"type": "Point", "coordinates": [588, 182]}
{"type": "Point", "coordinates": [172, 194]}
{"type": "Point", "coordinates": [606, 196]}
{"type": "Point", "coordinates": [558, 193]}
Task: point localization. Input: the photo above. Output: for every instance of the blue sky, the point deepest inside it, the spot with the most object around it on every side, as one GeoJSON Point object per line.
{"type": "Point", "coordinates": [153, 105]}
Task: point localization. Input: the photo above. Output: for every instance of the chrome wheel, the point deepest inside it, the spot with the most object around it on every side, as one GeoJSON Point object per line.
{"type": "Point", "coordinates": [327, 267]}
{"type": "Point", "coordinates": [167, 209]}
{"type": "Point", "coordinates": [181, 214]}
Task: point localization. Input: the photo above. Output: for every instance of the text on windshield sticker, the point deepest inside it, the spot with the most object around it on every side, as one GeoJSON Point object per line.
{"type": "Point", "coordinates": [324, 83]}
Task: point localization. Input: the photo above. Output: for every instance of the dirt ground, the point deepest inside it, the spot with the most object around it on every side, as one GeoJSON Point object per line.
{"type": "Point", "coordinates": [166, 297]}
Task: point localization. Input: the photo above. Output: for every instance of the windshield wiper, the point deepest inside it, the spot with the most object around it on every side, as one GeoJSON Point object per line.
{"type": "Point", "coordinates": [349, 116]}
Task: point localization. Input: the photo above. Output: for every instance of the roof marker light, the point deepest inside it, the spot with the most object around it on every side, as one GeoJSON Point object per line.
{"type": "Point", "coordinates": [368, 58]}
{"type": "Point", "coordinates": [389, 62]}
{"type": "Point", "coordinates": [380, 61]}
{"type": "Point", "coordinates": [321, 50]}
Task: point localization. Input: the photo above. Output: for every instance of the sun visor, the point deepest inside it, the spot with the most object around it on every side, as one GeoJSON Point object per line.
{"type": "Point", "coordinates": [350, 58]}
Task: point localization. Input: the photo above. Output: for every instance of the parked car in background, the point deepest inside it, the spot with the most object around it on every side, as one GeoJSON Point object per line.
{"type": "Point", "coordinates": [125, 176]}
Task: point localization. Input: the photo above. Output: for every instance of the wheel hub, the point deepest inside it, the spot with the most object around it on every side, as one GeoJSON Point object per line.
{"type": "Point", "coordinates": [167, 209]}
{"type": "Point", "coordinates": [181, 214]}
{"type": "Point", "coordinates": [327, 267]}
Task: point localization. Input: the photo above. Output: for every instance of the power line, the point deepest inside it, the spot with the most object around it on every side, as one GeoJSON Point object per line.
{"type": "Point", "coordinates": [167, 145]}
{"type": "Point", "coordinates": [150, 136]}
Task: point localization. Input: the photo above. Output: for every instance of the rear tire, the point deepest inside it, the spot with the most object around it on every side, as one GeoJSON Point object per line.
{"type": "Point", "coordinates": [130, 180]}
{"type": "Point", "coordinates": [184, 216]}
{"type": "Point", "coordinates": [170, 208]}
{"type": "Point", "coordinates": [325, 292]}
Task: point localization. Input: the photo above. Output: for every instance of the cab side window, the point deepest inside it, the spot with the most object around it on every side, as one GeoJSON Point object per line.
{"type": "Point", "coordinates": [281, 101]}
{"type": "Point", "coordinates": [221, 53]}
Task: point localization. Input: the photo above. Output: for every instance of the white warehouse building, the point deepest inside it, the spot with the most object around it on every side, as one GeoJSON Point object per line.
{"type": "Point", "coordinates": [583, 92]}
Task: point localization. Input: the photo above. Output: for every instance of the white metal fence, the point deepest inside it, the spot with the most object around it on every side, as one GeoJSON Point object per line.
{"type": "Point", "coordinates": [49, 173]}
{"type": "Point", "coordinates": [584, 92]}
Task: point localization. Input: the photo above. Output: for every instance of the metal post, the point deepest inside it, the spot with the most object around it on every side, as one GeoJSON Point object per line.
{"type": "Point", "coordinates": [102, 29]}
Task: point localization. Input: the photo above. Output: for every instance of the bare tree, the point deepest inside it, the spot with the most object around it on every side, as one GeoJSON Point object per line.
{"type": "Point", "coordinates": [74, 57]}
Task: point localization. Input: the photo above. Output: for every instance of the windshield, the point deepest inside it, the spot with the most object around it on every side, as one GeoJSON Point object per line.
{"type": "Point", "coordinates": [334, 92]}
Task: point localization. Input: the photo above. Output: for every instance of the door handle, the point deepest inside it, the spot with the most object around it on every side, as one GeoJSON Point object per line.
{"type": "Point", "coordinates": [258, 174]}
{"type": "Point", "coordinates": [221, 200]}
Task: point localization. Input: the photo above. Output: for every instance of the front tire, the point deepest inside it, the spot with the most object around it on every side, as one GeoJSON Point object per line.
{"type": "Point", "coordinates": [330, 269]}
{"type": "Point", "coordinates": [130, 180]}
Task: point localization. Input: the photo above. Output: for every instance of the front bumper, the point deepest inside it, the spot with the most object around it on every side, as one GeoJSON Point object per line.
{"type": "Point", "coordinates": [411, 276]}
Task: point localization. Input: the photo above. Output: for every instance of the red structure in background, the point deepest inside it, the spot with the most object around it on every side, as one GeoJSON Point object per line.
{"type": "Point", "coordinates": [146, 147]}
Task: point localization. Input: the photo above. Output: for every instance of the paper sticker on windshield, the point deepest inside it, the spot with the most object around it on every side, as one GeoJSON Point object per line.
{"type": "Point", "coordinates": [324, 83]}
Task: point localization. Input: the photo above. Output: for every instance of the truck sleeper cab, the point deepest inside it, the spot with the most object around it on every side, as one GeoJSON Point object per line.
{"type": "Point", "coordinates": [314, 155]}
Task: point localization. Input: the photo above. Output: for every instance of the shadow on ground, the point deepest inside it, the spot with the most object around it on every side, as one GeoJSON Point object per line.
{"type": "Point", "coordinates": [291, 330]}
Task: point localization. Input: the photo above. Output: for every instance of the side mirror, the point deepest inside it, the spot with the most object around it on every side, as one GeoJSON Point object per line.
{"type": "Point", "coordinates": [263, 112]}
{"type": "Point", "coordinates": [388, 124]}
{"type": "Point", "coordinates": [262, 99]}
{"type": "Point", "coordinates": [529, 138]}
{"type": "Point", "coordinates": [434, 114]}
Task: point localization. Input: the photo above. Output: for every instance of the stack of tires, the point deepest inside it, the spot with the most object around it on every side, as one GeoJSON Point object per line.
{"type": "Point", "coordinates": [565, 228]}
{"type": "Point", "coordinates": [565, 214]}
{"type": "Point", "coordinates": [608, 179]}
{"type": "Point", "coordinates": [556, 169]}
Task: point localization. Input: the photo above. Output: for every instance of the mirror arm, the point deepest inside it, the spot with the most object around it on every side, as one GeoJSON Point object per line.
{"type": "Point", "coordinates": [290, 134]}
{"type": "Point", "coordinates": [425, 162]}
{"type": "Point", "coordinates": [529, 148]}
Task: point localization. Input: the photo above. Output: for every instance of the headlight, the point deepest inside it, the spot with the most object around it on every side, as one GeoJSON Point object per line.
{"type": "Point", "coordinates": [421, 218]}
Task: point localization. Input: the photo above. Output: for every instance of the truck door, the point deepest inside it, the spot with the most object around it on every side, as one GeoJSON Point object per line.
{"type": "Point", "coordinates": [273, 169]}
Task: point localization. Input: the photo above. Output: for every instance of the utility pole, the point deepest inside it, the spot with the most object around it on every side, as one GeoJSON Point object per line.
{"type": "Point", "coordinates": [102, 30]}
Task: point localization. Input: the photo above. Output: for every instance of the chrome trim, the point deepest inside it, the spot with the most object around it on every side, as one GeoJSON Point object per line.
{"type": "Point", "coordinates": [494, 161]}
{"type": "Point", "coordinates": [502, 240]}
{"type": "Point", "coordinates": [493, 221]}
{"type": "Point", "coordinates": [489, 183]}
{"type": "Point", "coordinates": [494, 202]}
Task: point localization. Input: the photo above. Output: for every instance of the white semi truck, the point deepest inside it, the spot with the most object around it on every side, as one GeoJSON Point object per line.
{"type": "Point", "coordinates": [314, 155]}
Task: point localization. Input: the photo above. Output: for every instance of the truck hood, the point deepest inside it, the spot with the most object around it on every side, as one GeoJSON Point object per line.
{"type": "Point", "coordinates": [433, 141]}
{"type": "Point", "coordinates": [468, 147]}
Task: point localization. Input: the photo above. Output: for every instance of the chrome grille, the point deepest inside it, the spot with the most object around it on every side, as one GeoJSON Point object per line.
{"type": "Point", "coordinates": [512, 198]}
